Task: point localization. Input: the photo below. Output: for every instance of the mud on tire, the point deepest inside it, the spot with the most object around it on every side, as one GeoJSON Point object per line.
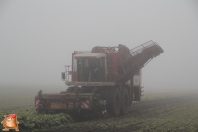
{"type": "Point", "coordinates": [113, 101]}
{"type": "Point", "coordinates": [124, 102]}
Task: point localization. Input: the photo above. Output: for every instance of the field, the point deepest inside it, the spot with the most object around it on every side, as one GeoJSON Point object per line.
{"type": "Point", "coordinates": [175, 112]}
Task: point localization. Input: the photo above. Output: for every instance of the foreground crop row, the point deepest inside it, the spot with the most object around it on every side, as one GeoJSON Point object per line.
{"type": "Point", "coordinates": [155, 113]}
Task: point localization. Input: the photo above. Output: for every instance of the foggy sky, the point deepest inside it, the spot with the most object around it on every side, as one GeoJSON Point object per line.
{"type": "Point", "coordinates": [38, 37]}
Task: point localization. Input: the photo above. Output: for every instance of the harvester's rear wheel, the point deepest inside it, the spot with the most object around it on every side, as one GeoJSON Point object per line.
{"type": "Point", "coordinates": [113, 102]}
{"type": "Point", "coordinates": [125, 102]}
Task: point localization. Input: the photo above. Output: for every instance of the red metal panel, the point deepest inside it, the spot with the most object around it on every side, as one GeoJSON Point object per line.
{"type": "Point", "coordinates": [115, 61]}
{"type": "Point", "coordinates": [73, 72]}
{"type": "Point", "coordinates": [111, 66]}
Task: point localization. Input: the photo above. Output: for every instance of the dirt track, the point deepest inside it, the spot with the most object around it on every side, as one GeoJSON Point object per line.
{"type": "Point", "coordinates": [163, 102]}
{"type": "Point", "coordinates": [143, 116]}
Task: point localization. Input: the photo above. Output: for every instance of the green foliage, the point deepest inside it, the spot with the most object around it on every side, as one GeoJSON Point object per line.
{"type": "Point", "coordinates": [30, 120]}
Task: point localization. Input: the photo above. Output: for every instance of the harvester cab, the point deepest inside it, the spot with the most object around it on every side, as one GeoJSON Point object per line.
{"type": "Point", "coordinates": [91, 67]}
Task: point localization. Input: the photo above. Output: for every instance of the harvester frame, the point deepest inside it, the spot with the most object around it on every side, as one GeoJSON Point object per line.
{"type": "Point", "coordinates": [107, 79]}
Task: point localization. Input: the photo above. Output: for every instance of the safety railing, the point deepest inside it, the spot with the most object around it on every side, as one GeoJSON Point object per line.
{"type": "Point", "coordinates": [141, 47]}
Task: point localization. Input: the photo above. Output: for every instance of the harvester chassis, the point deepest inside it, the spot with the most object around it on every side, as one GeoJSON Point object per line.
{"type": "Point", "coordinates": [113, 100]}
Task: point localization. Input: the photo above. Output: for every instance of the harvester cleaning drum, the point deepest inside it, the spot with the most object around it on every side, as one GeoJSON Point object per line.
{"type": "Point", "coordinates": [104, 80]}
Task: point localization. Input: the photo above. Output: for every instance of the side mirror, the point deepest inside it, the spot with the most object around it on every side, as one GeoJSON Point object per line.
{"type": "Point", "coordinates": [63, 76]}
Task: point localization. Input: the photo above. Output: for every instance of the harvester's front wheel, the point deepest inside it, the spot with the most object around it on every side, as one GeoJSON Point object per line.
{"type": "Point", "coordinates": [113, 102]}
{"type": "Point", "coordinates": [125, 102]}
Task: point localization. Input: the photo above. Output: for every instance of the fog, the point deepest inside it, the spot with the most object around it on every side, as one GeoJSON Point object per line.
{"type": "Point", "coordinates": [37, 39]}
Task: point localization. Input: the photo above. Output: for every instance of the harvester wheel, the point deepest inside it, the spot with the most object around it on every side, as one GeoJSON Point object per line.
{"type": "Point", "coordinates": [125, 102]}
{"type": "Point", "coordinates": [113, 102]}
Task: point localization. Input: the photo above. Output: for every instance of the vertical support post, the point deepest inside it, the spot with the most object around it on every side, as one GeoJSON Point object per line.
{"type": "Point", "coordinates": [131, 90]}
{"type": "Point", "coordinates": [137, 86]}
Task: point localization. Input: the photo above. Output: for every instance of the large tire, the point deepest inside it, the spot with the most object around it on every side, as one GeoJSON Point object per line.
{"type": "Point", "coordinates": [113, 102]}
{"type": "Point", "coordinates": [125, 102]}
